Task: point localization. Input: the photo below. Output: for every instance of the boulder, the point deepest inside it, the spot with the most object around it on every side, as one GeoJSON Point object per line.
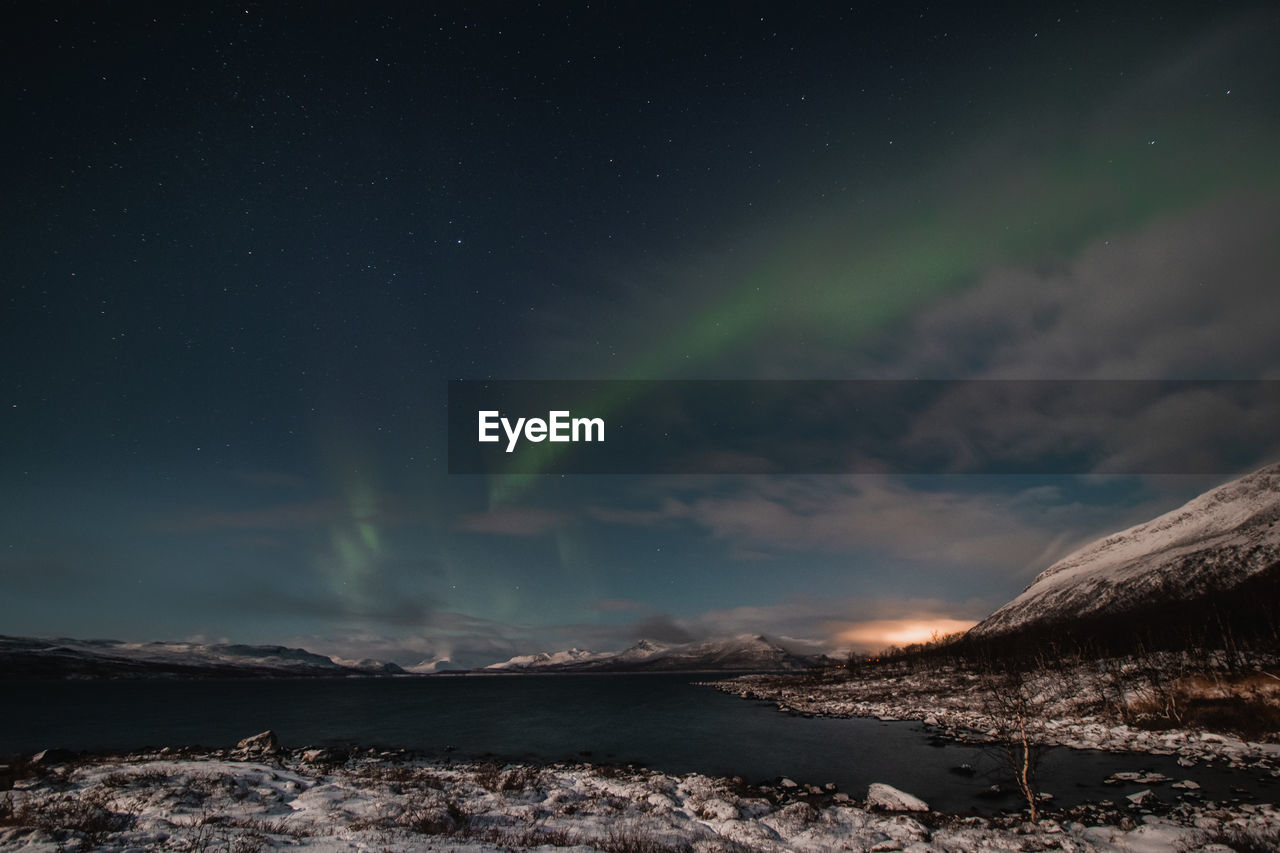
{"type": "Point", "coordinates": [890, 799]}
{"type": "Point", "coordinates": [322, 755]}
{"type": "Point", "coordinates": [262, 743]}
{"type": "Point", "coordinates": [47, 757]}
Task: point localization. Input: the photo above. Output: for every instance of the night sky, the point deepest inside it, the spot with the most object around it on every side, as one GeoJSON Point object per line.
{"type": "Point", "coordinates": [245, 248]}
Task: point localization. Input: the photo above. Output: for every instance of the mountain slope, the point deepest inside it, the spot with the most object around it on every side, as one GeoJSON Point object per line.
{"type": "Point", "coordinates": [746, 653]}
{"type": "Point", "coordinates": [1215, 542]}
{"type": "Point", "coordinates": [545, 660]}
{"type": "Point", "coordinates": [63, 658]}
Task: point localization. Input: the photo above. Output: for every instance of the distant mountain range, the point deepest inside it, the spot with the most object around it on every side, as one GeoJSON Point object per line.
{"type": "Point", "coordinates": [746, 653]}
{"type": "Point", "coordinates": [66, 658]}
{"type": "Point", "coordinates": [1220, 548]}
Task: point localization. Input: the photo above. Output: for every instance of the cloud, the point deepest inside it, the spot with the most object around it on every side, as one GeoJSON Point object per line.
{"type": "Point", "coordinates": [841, 623]}
{"type": "Point", "coordinates": [759, 517]}
{"type": "Point", "coordinates": [662, 628]}
{"type": "Point", "coordinates": [1188, 296]}
{"type": "Point", "coordinates": [808, 625]}
{"type": "Point", "coordinates": [513, 521]}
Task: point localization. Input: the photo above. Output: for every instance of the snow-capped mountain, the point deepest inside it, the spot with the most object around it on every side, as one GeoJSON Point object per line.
{"type": "Point", "coordinates": [544, 660]}
{"type": "Point", "coordinates": [115, 659]}
{"type": "Point", "coordinates": [431, 667]}
{"type": "Point", "coordinates": [1213, 543]}
{"type": "Point", "coordinates": [751, 653]}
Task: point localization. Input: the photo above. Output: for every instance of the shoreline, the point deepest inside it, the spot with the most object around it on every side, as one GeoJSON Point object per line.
{"type": "Point", "coordinates": [259, 797]}
{"type": "Point", "coordinates": [948, 703]}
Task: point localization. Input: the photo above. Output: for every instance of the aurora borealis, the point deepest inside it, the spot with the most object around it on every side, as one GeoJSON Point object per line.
{"type": "Point", "coordinates": [246, 247]}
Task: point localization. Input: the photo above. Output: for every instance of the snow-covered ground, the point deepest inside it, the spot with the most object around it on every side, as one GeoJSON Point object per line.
{"type": "Point", "coordinates": [313, 800]}
{"type": "Point", "coordinates": [1069, 701]}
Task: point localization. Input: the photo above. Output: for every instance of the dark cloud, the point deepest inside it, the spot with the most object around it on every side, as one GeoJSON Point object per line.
{"type": "Point", "coordinates": [1190, 295]}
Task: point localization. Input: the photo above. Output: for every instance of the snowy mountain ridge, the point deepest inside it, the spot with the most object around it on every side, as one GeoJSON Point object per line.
{"type": "Point", "coordinates": [114, 658]}
{"type": "Point", "coordinates": [746, 652]}
{"type": "Point", "coordinates": [545, 659]}
{"type": "Point", "coordinates": [1213, 542]}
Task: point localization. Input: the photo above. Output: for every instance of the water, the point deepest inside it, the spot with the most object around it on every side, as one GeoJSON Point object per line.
{"type": "Point", "coordinates": [659, 721]}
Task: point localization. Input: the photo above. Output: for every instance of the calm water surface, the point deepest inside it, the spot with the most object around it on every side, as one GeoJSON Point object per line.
{"type": "Point", "coordinates": [659, 721]}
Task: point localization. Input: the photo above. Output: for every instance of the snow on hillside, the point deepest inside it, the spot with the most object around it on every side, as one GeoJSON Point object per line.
{"type": "Point", "coordinates": [741, 653]}
{"type": "Point", "coordinates": [1216, 540]}
{"type": "Point", "coordinates": [544, 659]}
{"type": "Point", "coordinates": [114, 657]}
{"type": "Point", "coordinates": [428, 667]}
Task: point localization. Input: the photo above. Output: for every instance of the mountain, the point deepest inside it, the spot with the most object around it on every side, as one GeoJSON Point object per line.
{"type": "Point", "coordinates": [66, 658]}
{"type": "Point", "coordinates": [431, 667]}
{"type": "Point", "coordinates": [543, 660]}
{"type": "Point", "coordinates": [1226, 541]}
{"type": "Point", "coordinates": [746, 653]}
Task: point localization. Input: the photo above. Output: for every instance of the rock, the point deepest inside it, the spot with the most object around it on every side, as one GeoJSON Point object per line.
{"type": "Point", "coordinates": [787, 783]}
{"type": "Point", "coordinates": [840, 798]}
{"type": "Point", "coordinates": [1142, 798]}
{"type": "Point", "coordinates": [260, 744]}
{"type": "Point", "coordinates": [48, 757]}
{"type": "Point", "coordinates": [890, 799]}
{"type": "Point", "coordinates": [1187, 784]}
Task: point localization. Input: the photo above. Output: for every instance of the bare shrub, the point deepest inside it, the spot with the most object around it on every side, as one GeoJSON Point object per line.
{"type": "Point", "coordinates": [489, 776]}
{"type": "Point", "coordinates": [437, 815]}
{"type": "Point", "coordinates": [88, 818]}
{"type": "Point", "coordinates": [523, 777]}
{"type": "Point", "coordinates": [633, 839]}
{"type": "Point", "coordinates": [1246, 704]}
{"type": "Point", "coordinates": [143, 779]}
{"type": "Point", "coordinates": [398, 778]}
{"type": "Point", "coordinates": [1240, 839]}
{"type": "Point", "coordinates": [260, 826]}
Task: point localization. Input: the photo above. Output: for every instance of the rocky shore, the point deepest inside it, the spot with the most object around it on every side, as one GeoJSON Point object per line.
{"type": "Point", "coordinates": [262, 797]}
{"type": "Point", "coordinates": [952, 701]}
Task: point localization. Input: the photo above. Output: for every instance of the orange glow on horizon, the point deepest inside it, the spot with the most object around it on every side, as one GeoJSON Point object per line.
{"type": "Point", "coordinates": [882, 633]}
